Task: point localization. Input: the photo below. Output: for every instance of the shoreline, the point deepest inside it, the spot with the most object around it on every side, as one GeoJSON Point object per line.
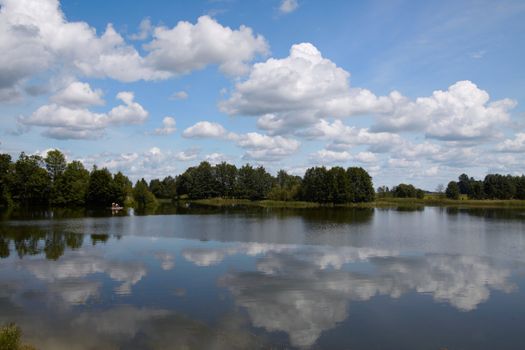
{"type": "Point", "coordinates": [378, 203]}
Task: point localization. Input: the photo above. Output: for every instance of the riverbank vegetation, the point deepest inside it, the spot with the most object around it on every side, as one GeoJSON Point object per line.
{"type": "Point", "coordinates": [51, 180]}
{"type": "Point", "coordinates": [10, 338]}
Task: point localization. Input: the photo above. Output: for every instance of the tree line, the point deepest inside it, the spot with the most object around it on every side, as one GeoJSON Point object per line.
{"type": "Point", "coordinates": [51, 180]}
{"type": "Point", "coordinates": [493, 186]}
{"type": "Point", "coordinates": [319, 184]}
{"type": "Point", "coordinates": [400, 191]}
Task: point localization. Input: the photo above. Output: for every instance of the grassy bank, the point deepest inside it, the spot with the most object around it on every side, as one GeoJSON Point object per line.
{"type": "Point", "coordinates": [378, 203]}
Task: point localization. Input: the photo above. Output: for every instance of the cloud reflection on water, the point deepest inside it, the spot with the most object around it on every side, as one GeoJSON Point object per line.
{"type": "Point", "coordinates": [307, 290]}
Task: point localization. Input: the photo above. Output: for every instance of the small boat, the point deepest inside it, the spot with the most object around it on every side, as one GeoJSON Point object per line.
{"type": "Point", "coordinates": [116, 208]}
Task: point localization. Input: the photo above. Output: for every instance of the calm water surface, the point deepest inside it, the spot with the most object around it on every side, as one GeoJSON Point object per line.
{"type": "Point", "coordinates": [431, 278]}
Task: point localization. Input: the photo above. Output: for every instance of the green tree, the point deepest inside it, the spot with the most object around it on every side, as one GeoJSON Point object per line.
{"type": "Point", "coordinates": [169, 187]}
{"type": "Point", "coordinates": [183, 182]}
{"type": "Point", "coordinates": [122, 188]}
{"type": "Point", "coordinates": [452, 190]}
{"type": "Point", "coordinates": [155, 186]}
{"type": "Point", "coordinates": [407, 191]}
{"type": "Point", "coordinates": [73, 185]}
{"type": "Point", "coordinates": [339, 186]}
{"type": "Point", "coordinates": [253, 183]}
{"type": "Point", "coordinates": [361, 185]}
{"type": "Point", "coordinates": [6, 167]}
{"type": "Point", "coordinates": [314, 186]}
{"type": "Point", "coordinates": [142, 196]}
{"type": "Point", "coordinates": [203, 183]}
{"type": "Point", "coordinates": [100, 189]}
{"type": "Point", "coordinates": [31, 183]}
{"type": "Point", "coordinates": [286, 187]}
{"type": "Point", "coordinates": [226, 178]}
{"type": "Point", "coordinates": [498, 186]}
{"type": "Point", "coordinates": [520, 187]}
{"type": "Point", "coordinates": [55, 164]}
{"type": "Point", "coordinates": [464, 184]}
{"type": "Point", "coordinates": [477, 190]}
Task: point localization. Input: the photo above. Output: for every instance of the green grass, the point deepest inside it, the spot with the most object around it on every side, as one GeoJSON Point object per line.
{"type": "Point", "coordinates": [434, 200]}
{"type": "Point", "coordinates": [222, 202]}
{"type": "Point", "coordinates": [429, 200]}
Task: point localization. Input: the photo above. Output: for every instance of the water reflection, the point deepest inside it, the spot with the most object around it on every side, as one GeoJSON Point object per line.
{"type": "Point", "coordinates": [276, 279]}
{"type": "Point", "coordinates": [28, 241]}
{"type": "Point", "coordinates": [297, 293]}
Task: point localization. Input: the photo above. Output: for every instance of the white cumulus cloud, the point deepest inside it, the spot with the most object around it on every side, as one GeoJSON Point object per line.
{"type": "Point", "coordinates": [187, 47]}
{"type": "Point", "coordinates": [63, 122]}
{"type": "Point", "coordinates": [78, 94]}
{"type": "Point", "coordinates": [168, 127]}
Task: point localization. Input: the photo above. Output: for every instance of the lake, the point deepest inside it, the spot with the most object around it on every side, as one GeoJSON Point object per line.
{"type": "Point", "coordinates": [247, 278]}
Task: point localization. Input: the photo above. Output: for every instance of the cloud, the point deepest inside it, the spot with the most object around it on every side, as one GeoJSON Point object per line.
{"type": "Point", "coordinates": [258, 147]}
{"type": "Point", "coordinates": [179, 95]}
{"type": "Point", "coordinates": [513, 145]}
{"type": "Point", "coordinates": [63, 122]}
{"type": "Point", "coordinates": [149, 164]}
{"type": "Point", "coordinates": [305, 88]}
{"type": "Point", "coordinates": [216, 158]}
{"type": "Point", "coordinates": [266, 148]}
{"type": "Point", "coordinates": [462, 112]}
{"type": "Point", "coordinates": [366, 157]}
{"type": "Point", "coordinates": [145, 30]}
{"type": "Point", "coordinates": [78, 94]}
{"type": "Point", "coordinates": [327, 157]}
{"type": "Point", "coordinates": [168, 127]}
{"type": "Point", "coordinates": [343, 136]}
{"type": "Point", "coordinates": [187, 155]}
{"type": "Point", "coordinates": [38, 38]}
{"type": "Point", "coordinates": [187, 47]}
{"type": "Point", "coordinates": [288, 6]}
{"type": "Point", "coordinates": [205, 129]}
{"type": "Point", "coordinates": [297, 91]}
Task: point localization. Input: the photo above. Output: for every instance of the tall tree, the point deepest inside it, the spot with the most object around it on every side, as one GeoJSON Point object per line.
{"type": "Point", "coordinates": [362, 185]}
{"type": "Point", "coordinates": [253, 183]}
{"type": "Point", "coordinates": [122, 187]}
{"type": "Point", "coordinates": [73, 185]}
{"type": "Point", "coordinates": [339, 187]}
{"type": "Point", "coordinates": [6, 167]}
{"type": "Point", "coordinates": [452, 190]}
{"type": "Point", "coordinates": [100, 190]}
{"type": "Point", "coordinates": [314, 186]}
{"type": "Point", "coordinates": [203, 183]}
{"type": "Point", "coordinates": [169, 187]}
{"type": "Point", "coordinates": [31, 183]}
{"type": "Point", "coordinates": [226, 177]}
{"type": "Point", "coordinates": [144, 199]}
{"type": "Point", "coordinates": [55, 164]}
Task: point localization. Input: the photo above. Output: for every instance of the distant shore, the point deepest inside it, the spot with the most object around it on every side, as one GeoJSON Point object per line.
{"type": "Point", "coordinates": [378, 203]}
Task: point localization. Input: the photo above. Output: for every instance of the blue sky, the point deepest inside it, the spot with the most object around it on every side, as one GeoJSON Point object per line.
{"type": "Point", "coordinates": [412, 91]}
